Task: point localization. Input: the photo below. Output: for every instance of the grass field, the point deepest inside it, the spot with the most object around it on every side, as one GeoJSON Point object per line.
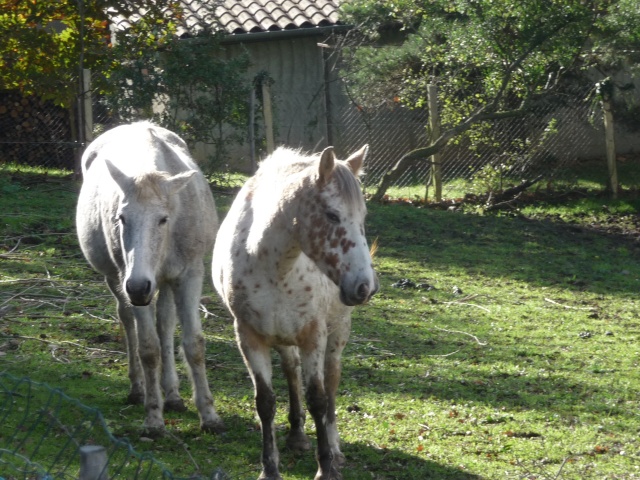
{"type": "Point", "coordinates": [500, 346]}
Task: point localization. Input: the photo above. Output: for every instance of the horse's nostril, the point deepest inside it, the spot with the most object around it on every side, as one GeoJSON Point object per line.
{"type": "Point", "coordinates": [138, 288]}
{"type": "Point", "coordinates": [363, 291]}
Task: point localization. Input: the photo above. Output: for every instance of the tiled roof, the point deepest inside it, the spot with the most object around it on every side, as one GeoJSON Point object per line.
{"type": "Point", "coordinates": [250, 16]}
{"type": "Point", "coordinates": [253, 16]}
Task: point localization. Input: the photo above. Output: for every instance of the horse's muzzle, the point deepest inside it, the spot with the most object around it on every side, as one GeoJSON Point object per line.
{"type": "Point", "coordinates": [140, 292]}
{"type": "Point", "coordinates": [361, 294]}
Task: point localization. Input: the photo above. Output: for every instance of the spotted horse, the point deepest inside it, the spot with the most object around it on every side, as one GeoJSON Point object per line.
{"type": "Point", "coordinates": [291, 261]}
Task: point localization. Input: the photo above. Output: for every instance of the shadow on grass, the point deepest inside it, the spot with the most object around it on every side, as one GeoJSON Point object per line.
{"type": "Point", "coordinates": [541, 253]}
{"type": "Point", "coordinates": [538, 253]}
{"type": "Point", "coordinates": [468, 377]}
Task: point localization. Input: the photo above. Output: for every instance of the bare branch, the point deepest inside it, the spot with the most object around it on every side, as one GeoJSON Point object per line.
{"type": "Point", "coordinates": [462, 333]}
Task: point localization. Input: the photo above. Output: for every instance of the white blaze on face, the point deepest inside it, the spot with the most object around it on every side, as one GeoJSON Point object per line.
{"type": "Point", "coordinates": [144, 223]}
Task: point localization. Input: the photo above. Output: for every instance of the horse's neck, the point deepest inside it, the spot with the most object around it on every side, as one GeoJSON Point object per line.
{"type": "Point", "coordinates": [272, 241]}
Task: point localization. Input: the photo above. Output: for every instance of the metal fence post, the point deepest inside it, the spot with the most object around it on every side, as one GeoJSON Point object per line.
{"type": "Point", "coordinates": [93, 463]}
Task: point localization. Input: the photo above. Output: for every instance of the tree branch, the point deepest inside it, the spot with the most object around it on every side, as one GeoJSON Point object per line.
{"type": "Point", "coordinates": [424, 152]}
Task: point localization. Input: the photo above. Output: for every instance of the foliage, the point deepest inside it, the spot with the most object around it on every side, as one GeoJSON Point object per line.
{"type": "Point", "coordinates": [510, 352]}
{"type": "Point", "coordinates": [482, 51]}
{"type": "Point", "coordinates": [43, 45]}
{"type": "Point", "coordinates": [186, 85]}
{"type": "Point", "coordinates": [490, 59]}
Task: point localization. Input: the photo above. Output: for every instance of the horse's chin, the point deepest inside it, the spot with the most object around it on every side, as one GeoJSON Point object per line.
{"type": "Point", "coordinates": [140, 302]}
{"type": "Point", "coordinates": [345, 300]}
{"type": "Point", "coordinates": [351, 301]}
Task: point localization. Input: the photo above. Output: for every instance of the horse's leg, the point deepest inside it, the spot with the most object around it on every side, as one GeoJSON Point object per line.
{"type": "Point", "coordinates": [332, 371]}
{"type": "Point", "coordinates": [297, 440]}
{"type": "Point", "coordinates": [187, 299]}
{"type": "Point", "coordinates": [125, 314]}
{"type": "Point", "coordinates": [258, 360]}
{"type": "Point", "coordinates": [149, 351]}
{"type": "Point", "coordinates": [318, 404]}
{"type": "Point", "coordinates": [166, 325]}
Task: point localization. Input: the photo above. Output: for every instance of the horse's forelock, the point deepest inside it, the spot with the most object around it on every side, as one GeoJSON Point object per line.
{"type": "Point", "coordinates": [150, 185]}
{"type": "Point", "coordinates": [288, 162]}
{"type": "Point", "coordinates": [348, 185]}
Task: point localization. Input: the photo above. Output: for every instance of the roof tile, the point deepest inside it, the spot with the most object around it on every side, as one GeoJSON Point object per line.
{"type": "Point", "coordinates": [245, 16]}
{"type": "Point", "coordinates": [265, 15]}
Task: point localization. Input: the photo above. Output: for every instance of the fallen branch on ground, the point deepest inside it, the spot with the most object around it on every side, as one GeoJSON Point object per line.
{"type": "Point", "coordinates": [462, 333]}
{"type": "Point", "coordinates": [568, 306]}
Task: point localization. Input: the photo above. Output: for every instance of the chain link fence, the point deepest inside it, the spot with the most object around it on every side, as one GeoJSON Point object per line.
{"type": "Point", "coordinates": [546, 141]}
{"type": "Point", "coordinates": [45, 435]}
{"type": "Point", "coordinates": [35, 132]}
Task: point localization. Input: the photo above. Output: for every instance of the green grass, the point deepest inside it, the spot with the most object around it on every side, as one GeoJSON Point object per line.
{"type": "Point", "coordinates": [586, 175]}
{"type": "Point", "coordinates": [516, 357]}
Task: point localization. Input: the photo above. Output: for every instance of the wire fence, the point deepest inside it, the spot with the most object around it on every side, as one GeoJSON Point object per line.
{"type": "Point", "coordinates": [35, 132]}
{"type": "Point", "coordinates": [43, 433]}
{"type": "Point", "coordinates": [546, 141]}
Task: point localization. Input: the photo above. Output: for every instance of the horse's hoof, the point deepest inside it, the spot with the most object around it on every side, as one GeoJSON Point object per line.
{"type": "Point", "coordinates": [333, 471]}
{"type": "Point", "coordinates": [333, 474]}
{"type": "Point", "coordinates": [339, 459]}
{"type": "Point", "coordinates": [153, 432]}
{"type": "Point", "coordinates": [298, 442]}
{"type": "Point", "coordinates": [174, 405]}
{"type": "Point", "coordinates": [215, 426]}
{"type": "Point", "coordinates": [263, 476]}
{"type": "Point", "coordinates": [135, 398]}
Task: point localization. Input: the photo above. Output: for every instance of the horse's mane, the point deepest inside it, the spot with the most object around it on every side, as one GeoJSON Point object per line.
{"type": "Point", "coordinates": [289, 162]}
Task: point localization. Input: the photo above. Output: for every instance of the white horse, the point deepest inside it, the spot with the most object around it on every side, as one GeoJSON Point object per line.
{"type": "Point", "coordinates": [145, 220]}
{"type": "Point", "coordinates": [290, 262]}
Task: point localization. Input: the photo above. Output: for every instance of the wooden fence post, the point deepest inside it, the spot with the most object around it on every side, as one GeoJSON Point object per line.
{"type": "Point", "coordinates": [87, 106]}
{"type": "Point", "coordinates": [434, 124]}
{"type": "Point", "coordinates": [252, 134]}
{"type": "Point", "coordinates": [610, 145]}
{"type": "Point", "coordinates": [93, 463]}
{"type": "Point", "coordinates": [268, 116]}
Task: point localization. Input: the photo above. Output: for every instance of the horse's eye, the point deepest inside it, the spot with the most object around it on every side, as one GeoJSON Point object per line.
{"type": "Point", "coordinates": [163, 220]}
{"type": "Point", "coordinates": [333, 218]}
{"type": "Point", "coordinates": [120, 218]}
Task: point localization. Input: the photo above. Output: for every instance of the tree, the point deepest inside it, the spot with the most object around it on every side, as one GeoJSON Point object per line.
{"type": "Point", "coordinates": [43, 45]}
{"type": "Point", "coordinates": [185, 85]}
{"type": "Point", "coordinates": [148, 72]}
{"type": "Point", "coordinates": [491, 59]}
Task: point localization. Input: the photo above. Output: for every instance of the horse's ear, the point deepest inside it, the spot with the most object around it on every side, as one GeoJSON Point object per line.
{"type": "Point", "coordinates": [327, 162]}
{"type": "Point", "coordinates": [120, 178]}
{"type": "Point", "coordinates": [356, 160]}
{"type": "Point", "coordinates": [179, 181]}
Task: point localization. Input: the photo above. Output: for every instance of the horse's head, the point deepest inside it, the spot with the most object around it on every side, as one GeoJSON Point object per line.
{"type": "Point", "coordinates": [144, 221]}
{"type": "Point", "coordinates": [330, 224]}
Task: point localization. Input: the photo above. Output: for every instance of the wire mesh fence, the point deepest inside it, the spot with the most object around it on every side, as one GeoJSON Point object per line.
{"type": "Point", "coordinates": [546, 141]}
{"type": "Point", "coordinates": [35, 132]}
{"type": "Point", "coordinates": [43, 431]}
